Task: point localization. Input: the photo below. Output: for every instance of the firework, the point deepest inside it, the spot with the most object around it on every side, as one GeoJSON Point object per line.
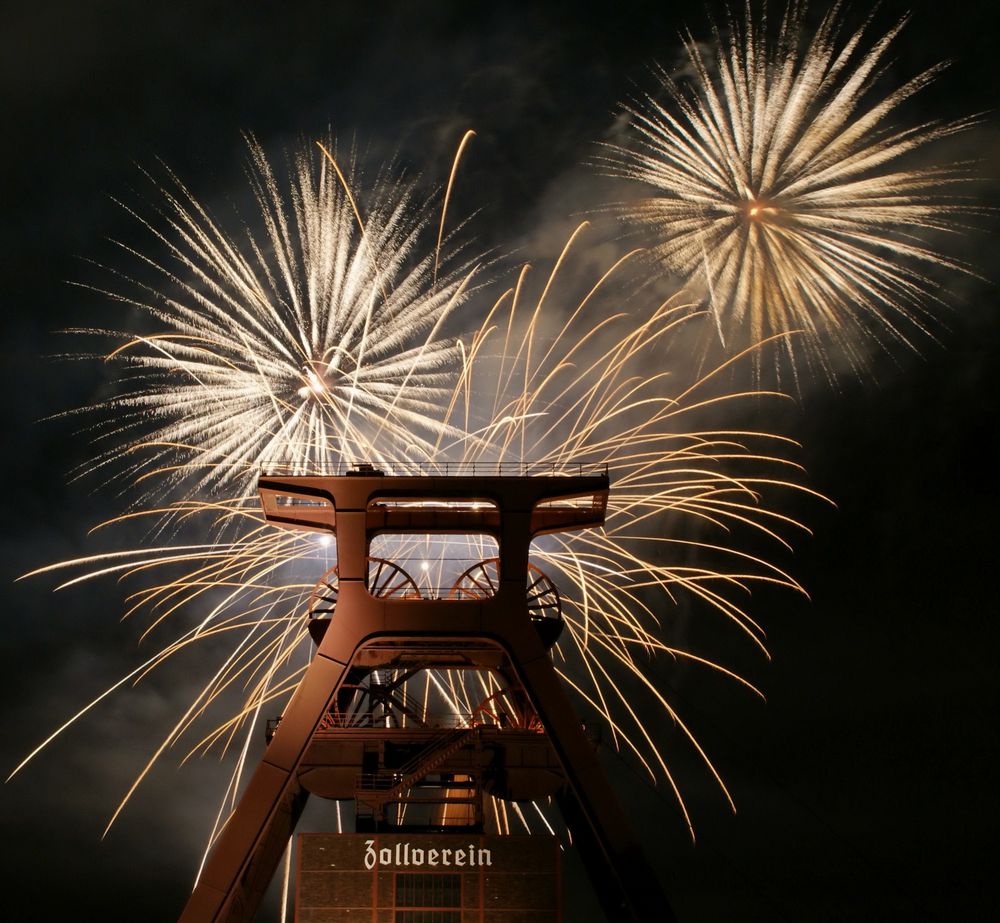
{"type": "Point", "coordinates": [319, 332]}
{"type": "Point", "coordinates": [783, 193]}
{"type": "Point", "coordinates": [688, 498]}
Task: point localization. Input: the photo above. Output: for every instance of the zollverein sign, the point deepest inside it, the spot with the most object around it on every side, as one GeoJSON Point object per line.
{"type": "Point", "coordinates": [405, 856]}
{"type": "Point", "coordinates": [384, 878]}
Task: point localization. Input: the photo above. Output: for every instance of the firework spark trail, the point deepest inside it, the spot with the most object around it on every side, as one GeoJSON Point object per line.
{"type": "Point", "coordinates": [290, 343]}
{"type": "Point", "coordinates": [591, 398]}
{"type": "Point", "coordinates": [594, 390]}
{"type": "Point", "coordinates": [574, 399]}
{"type": "Point", "coordinates": [782, 189]}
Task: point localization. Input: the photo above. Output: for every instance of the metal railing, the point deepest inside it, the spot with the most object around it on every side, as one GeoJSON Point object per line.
{"type": "Point", "coordinates": [445, 721]}
{"type": "Point", "coordinates": [433, 469]}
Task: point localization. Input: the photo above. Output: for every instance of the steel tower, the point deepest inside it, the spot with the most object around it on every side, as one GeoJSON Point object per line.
{"type": "Point", "coordinates": [372, 621]}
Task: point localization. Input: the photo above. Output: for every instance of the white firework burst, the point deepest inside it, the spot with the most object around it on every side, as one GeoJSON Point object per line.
{"type": "Point", "coordinates": [785, 194]}
{"type": "Point", "coordinates": [317, 337]}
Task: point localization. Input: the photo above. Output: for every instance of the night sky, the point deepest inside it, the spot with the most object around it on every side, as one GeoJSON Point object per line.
{"type": "Point", "coordinates": [866, 783]}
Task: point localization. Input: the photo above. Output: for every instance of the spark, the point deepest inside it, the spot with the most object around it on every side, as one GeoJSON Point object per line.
{"type": "Point", "coordinates": [783, 193]}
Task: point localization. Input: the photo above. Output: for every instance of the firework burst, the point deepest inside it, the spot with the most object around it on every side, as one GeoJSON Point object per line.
{"type": "Point", "coordinates": [784, 194]}
{"type": "Point", "coordinates": [320, 333]}
{"type": "Point", "coordinates": [690, 500]}
{"type": "Point", "coordinates": [690, 497]}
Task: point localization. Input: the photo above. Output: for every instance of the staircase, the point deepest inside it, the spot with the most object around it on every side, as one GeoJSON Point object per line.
{"type": "Point", "coordinates": [388, 784]}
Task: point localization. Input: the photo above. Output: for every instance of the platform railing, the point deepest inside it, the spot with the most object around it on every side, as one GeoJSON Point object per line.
{"type": "Point", "coordinates": [433, 469]}
{"type": "Point", "coordinates": [444, 722]}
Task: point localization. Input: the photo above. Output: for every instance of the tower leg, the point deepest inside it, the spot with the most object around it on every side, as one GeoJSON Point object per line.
{"type": "Point", "coordinates": [591, 808]}
{"type": "Point", "coordinates": [250, 846]}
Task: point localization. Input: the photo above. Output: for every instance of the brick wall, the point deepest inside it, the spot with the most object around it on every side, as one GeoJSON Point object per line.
{"type": "Point", "coordinates": [347, 877]}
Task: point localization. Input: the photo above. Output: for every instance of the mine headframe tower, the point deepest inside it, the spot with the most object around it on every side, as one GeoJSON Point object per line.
{"type": "Point", "coordinates": [352, 731]}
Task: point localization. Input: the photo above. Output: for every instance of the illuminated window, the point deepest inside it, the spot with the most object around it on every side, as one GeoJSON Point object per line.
{"type": "Point", "coordinates": [427, 898]}
{"type": "Point", "coordinates": [432, 566]}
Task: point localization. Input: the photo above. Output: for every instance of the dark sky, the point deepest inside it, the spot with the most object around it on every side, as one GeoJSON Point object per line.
{"type": "Point", "coordinates": [865, 785]}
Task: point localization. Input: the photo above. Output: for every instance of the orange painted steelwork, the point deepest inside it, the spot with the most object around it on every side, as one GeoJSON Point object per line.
{"type": "Point", "coordinates": [483, 630]}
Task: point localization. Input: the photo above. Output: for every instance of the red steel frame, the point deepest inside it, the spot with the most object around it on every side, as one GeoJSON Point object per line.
{"type": "Point", "coordinates": [518, 509]}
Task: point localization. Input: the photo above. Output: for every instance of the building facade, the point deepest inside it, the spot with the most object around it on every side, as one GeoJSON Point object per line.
{"type": "Point", "coordinates": [427, 878]}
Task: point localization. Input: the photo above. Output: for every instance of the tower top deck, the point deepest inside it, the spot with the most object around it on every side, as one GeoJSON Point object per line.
{"type": "Point", "coordinates": [440, 498]}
